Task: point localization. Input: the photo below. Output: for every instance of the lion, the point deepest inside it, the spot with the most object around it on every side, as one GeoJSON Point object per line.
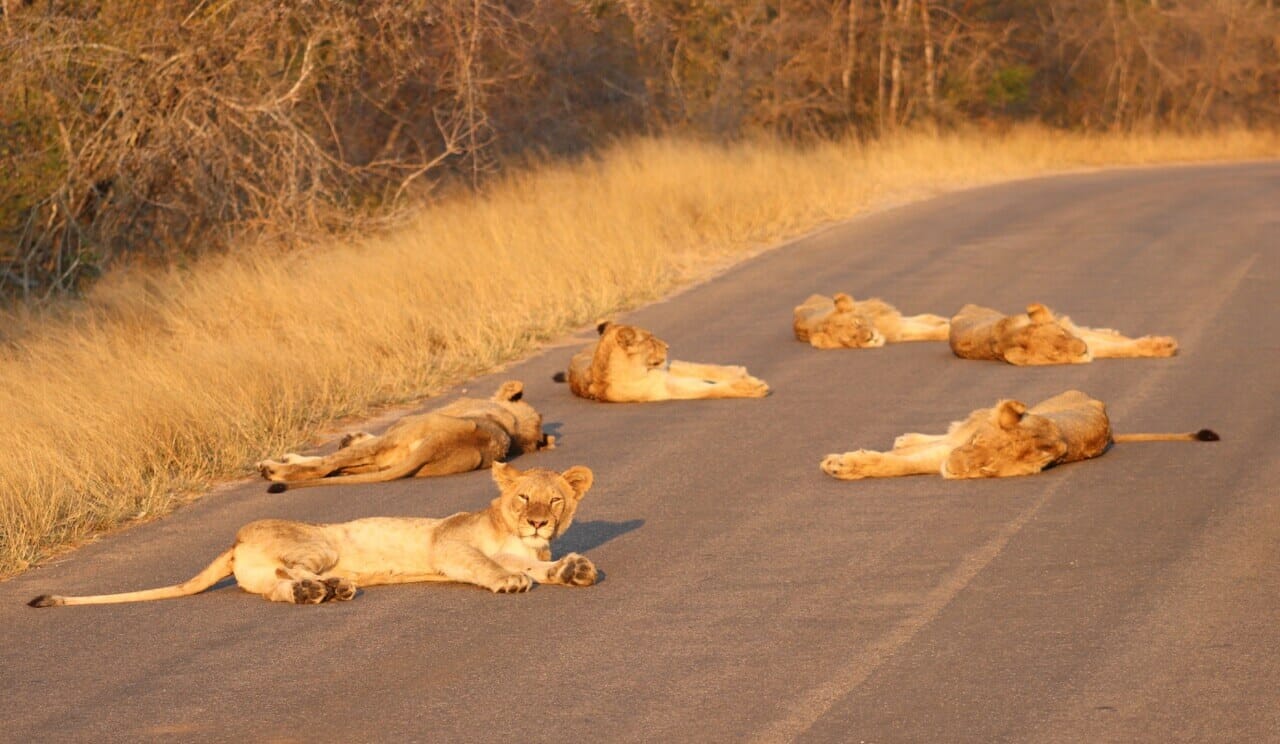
{"type": "Point", "coordinates": [1040, 336]}
{"type": "Point", "coordinates": [503, 548]}
{"type": "Point", "coordinates": [840, 322]}
{"type": "Point", "coordinates": [467, 434]}
{"type": "Point", "coordinates": [1005, 440]}
{"type": "Point", "coordinates": [629, 364]}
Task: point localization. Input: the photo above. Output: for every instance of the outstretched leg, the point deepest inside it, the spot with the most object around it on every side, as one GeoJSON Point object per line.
{"type": "Point", "coordinates": [1106, 343]}
{"type": "Point", "coordinates": [860, 464]}
{"type": "Point", "coordinates": [924, 327]}
{"type": "Point", "coordinates": [707, 371]}
{"type": "Point", "coordinates": [689, 388]}
{"type": "Point", "coordinates": [460, 562]}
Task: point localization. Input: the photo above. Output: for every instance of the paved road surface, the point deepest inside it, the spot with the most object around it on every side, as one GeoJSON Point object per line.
{"type": "Point", "coordinates": [747, 596]}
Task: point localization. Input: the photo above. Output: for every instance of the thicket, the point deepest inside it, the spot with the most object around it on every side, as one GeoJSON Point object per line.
{"type": "Point", "coordinates": [159, 129]}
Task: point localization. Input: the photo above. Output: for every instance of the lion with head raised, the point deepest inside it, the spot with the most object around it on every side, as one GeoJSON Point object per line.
{"type": "Point", "coordinates": [840, 322]}
{"type": "Point", "coordinates": [503, 548]}
{"type": "Point", "coordinates": [1040, 336]}
{"type": "Point", "coordinates": [629, 364]}
{"type": "Point", "coordinates": [467, 434]}
{"type": "Point", "coordinates": [1004, 440]}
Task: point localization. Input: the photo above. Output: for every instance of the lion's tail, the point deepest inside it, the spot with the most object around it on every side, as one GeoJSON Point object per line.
{"type": "Point", "coordinates": [559, 377]}
{"type": "Point", "coordinates": [403, 470]}
{"type": "Point", "coordinates": [1204, 435]}
{"type": "Point", "coordinates": [221, 566]}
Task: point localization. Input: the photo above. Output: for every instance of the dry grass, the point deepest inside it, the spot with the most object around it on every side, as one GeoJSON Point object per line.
{"type": "Point", "coordinates": [163, 382]}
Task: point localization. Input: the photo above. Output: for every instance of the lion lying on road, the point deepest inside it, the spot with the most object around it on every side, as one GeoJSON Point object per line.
{"type": "Point", "coordinates": [840, 322]}
{"type": "Point", "coordinates": [1007, 439]}
{"type": "Point", "coordinates": [1041, 337]}
{"type": "Point", "coordinates": [504, 548]}
{"type": "Point", "coordinates": [629, 364]}
{"type": "Point", "coordinates": [468, 434]}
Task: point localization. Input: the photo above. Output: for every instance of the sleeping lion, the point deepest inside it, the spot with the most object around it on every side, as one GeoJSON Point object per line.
{"type": "Point", "coordinates": [504, 548]}
{"type": "Point", "coordinates": [1039, 336]}
{"type": "Point", "coordinates": [840, 322]}
{"type": "Point", "coordinates": [1004, 440]}
{"type": "Point", "coordinates": [629, 364]}
{"type": "Point", "coordinates": [467, 434]}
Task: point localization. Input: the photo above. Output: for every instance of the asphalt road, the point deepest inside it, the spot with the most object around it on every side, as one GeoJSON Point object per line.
{"type": "Point", "coordinates": [746, 595]}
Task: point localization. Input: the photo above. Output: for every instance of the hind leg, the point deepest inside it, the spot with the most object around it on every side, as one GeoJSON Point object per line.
{"type": "Point", "coordinates": [295, 574]}
{"type": "Point", "coordinates": [356, 456]}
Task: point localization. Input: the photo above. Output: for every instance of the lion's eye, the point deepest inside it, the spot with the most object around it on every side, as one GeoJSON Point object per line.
{"type": "Point", "coordinates": [524, 498]}
{"type": "Point", "coordinates": [556, 500]}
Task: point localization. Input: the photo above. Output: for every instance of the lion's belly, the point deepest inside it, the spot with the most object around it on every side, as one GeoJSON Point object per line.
{"type": "Point", "coordinates": [378, 548]}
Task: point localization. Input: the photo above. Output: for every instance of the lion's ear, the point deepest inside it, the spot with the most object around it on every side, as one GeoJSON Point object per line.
{"type": "Point", "coordinates": [579, 478]}
{"type": "Point", "coordinates": [1039, 313]}
{"type": "Point", "coordinates": [511, 390]}
{"type": "Point", "coordinates": [626, 336]}
{"type": "Point", "coordinates": [505, 475]}
{"type": "Point", "coordinates": [603, 326]}
{"type": "Point", "coordinates": [1009, 413]}
{"type": "Point", "coordinates": [844, 302]}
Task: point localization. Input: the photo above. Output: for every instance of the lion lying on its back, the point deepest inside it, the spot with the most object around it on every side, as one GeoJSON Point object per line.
{"type": "Point", "coordinates": [629, 364]}
{"type": "Point", "coordinates": [1039, 336]}
{"type": "Point", "coordinates": [504, 548]}
{"type": "Point", "coordinates": [467, 434]}
{"type": "Point", "coordinates": [840, 322]}
{"type": "Point", "coordinates": [1007, 439]}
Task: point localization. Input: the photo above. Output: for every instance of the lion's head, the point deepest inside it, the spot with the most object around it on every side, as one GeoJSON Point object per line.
{"type": "Point", "coordinates": [1041, 339]}
{"type": "Point", "coordinates": [847, 328]}
{"type": "Point", "coordinates": [538, 504]}
{"type": "Point", "coordinates": [1010, 442]}
{"type": "Point", "coordinates": [640, 347]}
{"type": "Point", "coordinates": [527, 434]}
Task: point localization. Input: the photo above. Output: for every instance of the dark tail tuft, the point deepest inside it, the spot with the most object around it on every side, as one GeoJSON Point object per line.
{"type": "Point", "coordinates": [277, 488]}
{"type": "Point", "coordinates": [559, 377]}
{"type": "Point", "coordinates": [45, 600]}
{"type": "Point", "coordinates": [1207, 435]}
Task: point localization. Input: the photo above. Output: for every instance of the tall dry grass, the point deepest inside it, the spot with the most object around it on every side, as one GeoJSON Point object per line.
{"type": "Point", "coordinates": [162, 382]}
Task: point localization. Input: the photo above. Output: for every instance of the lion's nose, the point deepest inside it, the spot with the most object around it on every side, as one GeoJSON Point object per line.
{"type": "Point", "coordinates": [537, 523]}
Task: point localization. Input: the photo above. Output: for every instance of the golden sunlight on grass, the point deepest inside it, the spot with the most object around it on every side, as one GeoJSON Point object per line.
{"type": "Point", "coordinates": [162, 382]}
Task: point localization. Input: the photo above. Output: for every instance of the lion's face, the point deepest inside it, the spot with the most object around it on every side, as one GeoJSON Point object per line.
{"type": "Point", "coordinates": [1009, 443]}
{"type": "Point", "coordinates": [852, 330]}
{"type": "Point", "coordinates": [537, 504]}
{"type": "Point", "coordinates": [639, 345]}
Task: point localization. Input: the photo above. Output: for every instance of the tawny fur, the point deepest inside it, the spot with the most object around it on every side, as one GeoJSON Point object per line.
{"type": "Point", "coordinates": [504, 548]}
{"type": "Point", "coordinates": [840, 322]}
{"type": "Point", "coordinates": [629, 364]}
{"type": "Point", "coordinates": [467, 434]}
{"type": "Point", "coordinates": [1004, 440]}
{"type": "Point", "coordinates": [1040, 336]}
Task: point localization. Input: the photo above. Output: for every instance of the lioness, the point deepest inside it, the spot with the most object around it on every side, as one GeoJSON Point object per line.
{"type": "Point", "coordinates": [1007, 439]}
{"type": "Point", "coordinates": [840, 322]}
{"type": "Point", "coordinates": [1039, 336]}
{"type": "Point", "coordinates": [467, 434]}
{"type": "Point", "coordinates": [629, 364]}
{"type": "Point", "coordinates": [504, 548]}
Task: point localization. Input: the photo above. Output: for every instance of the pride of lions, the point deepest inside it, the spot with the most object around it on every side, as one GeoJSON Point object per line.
{"type": "Point", "coordinates": [506, 546]}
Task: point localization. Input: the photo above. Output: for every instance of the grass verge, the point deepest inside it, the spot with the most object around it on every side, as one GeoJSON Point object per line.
{"type": "Point", "coordinates": [162, 382]}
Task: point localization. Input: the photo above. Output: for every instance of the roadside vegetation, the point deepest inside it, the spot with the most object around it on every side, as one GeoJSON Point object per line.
{"type": "Point", "coordinates": [224, 224]}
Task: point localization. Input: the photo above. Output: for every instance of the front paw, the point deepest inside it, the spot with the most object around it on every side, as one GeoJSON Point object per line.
{"type": "Point", "coordinates": [751, 387]}
{"type": "Point", "coordinates": [512, 584]}
{"type": "Point", "coordinates": [844, 467]}
{"type": "Point", "coordinates": [574, 570]}
{"type": "Point", "coordinates": [1159, 346]}
{"type": "Point", "coordinates": [354, 437]}
{"type": "Point", "coordinates": [272, 470]}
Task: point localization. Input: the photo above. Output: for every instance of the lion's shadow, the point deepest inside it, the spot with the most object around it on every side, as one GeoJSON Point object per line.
{"type": "Point", "coordinates": [584, 536]}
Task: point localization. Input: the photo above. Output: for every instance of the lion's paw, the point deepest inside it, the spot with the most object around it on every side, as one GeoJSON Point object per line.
{"type": "Point", "coordinates": [1160, 346]}
{"type": "Point", "coordinates": [751, 387]}
{"type": "Point", "coordinates": [308, 591]}
{"type": "Point", "coordinates": [512, 584]}
{"type": "Point", "coordinates": [844, 467]}
{"type": "Point", "coordinates": [339, 589]}
{"type": "Point", "coordinates": [354, 437]}
{"type": "Point", "coordinates": [575, 570]}
{"type": "Point", "coordinates": [272, 470]}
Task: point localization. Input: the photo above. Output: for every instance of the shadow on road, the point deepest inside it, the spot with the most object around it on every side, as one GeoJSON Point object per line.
{"type": "Point", "coordinates": [584, 536]}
